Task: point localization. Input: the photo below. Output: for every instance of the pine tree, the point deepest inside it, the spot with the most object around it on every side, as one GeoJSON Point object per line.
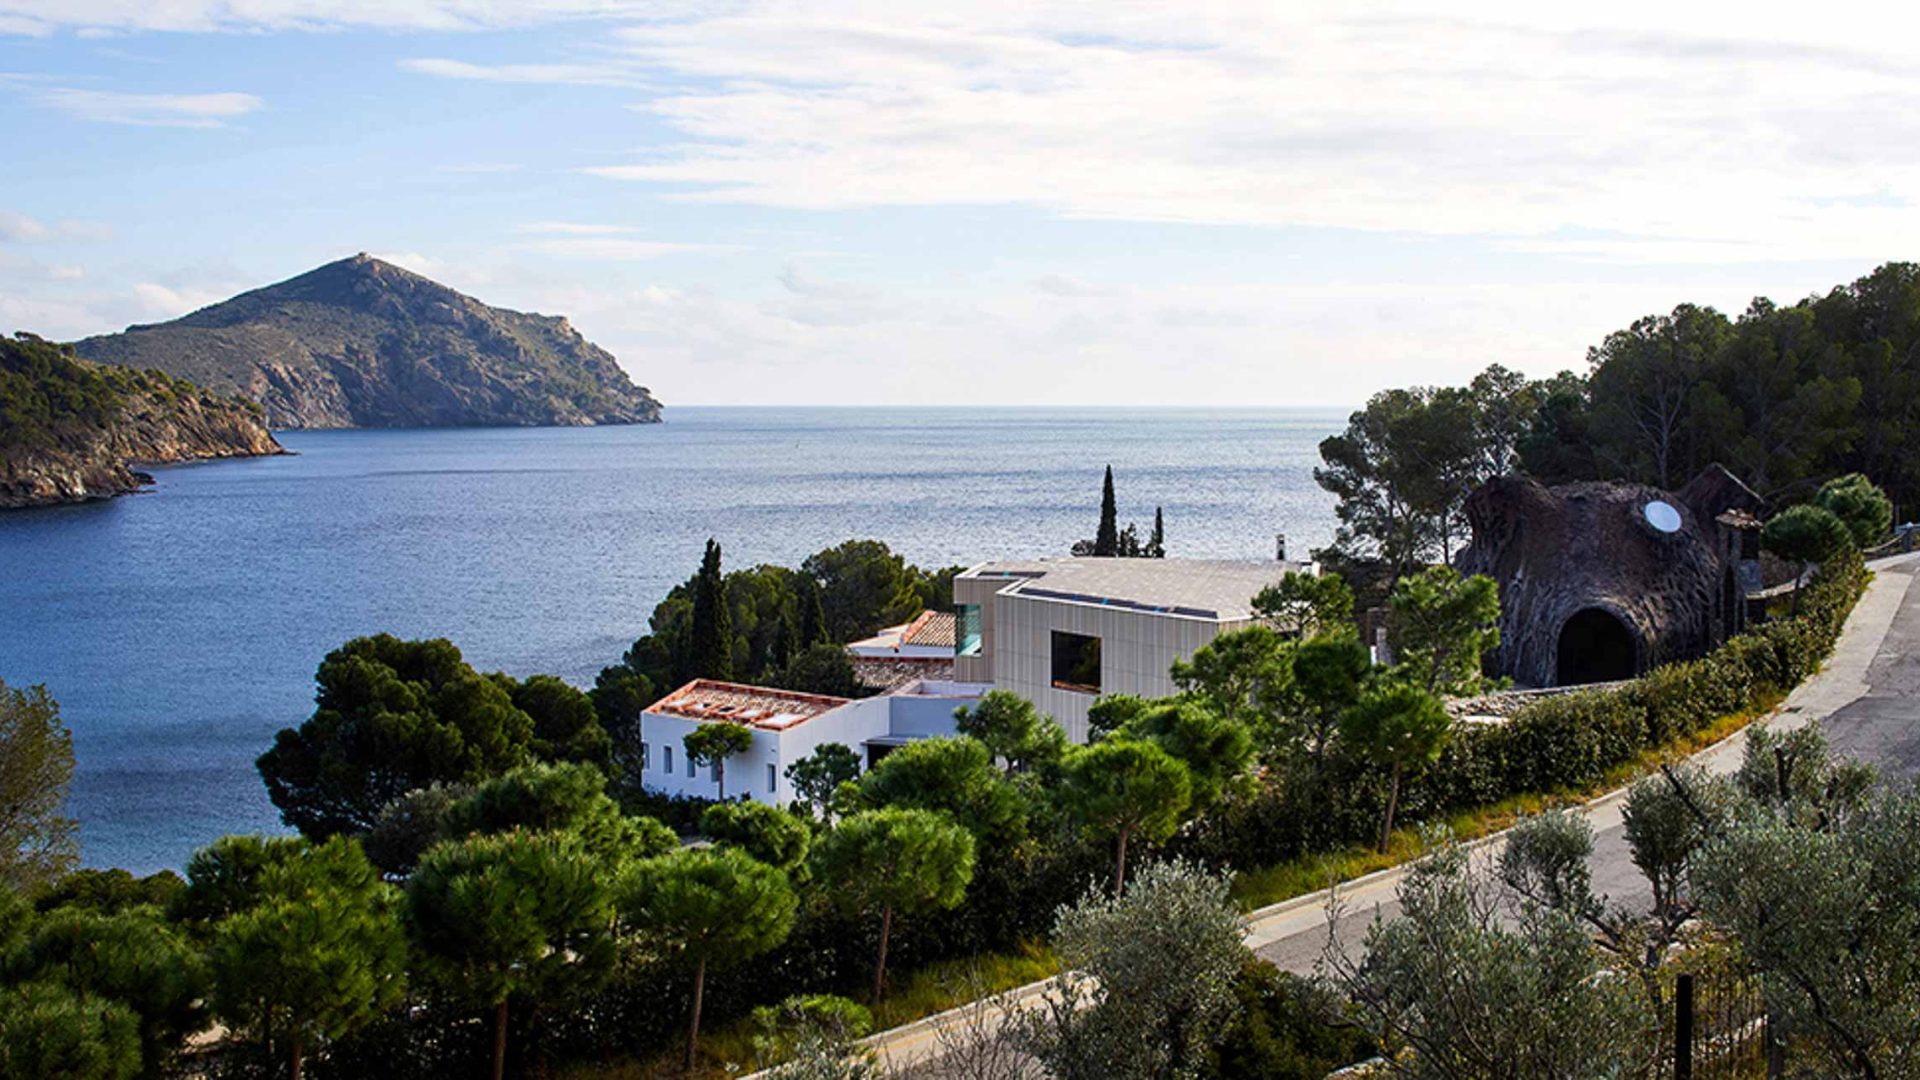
{"type": "Point", "coordinates": [711, 640]}
{"type": "Point", "coordinates": [1106, 542]}
{"type": "Point", "coordinates": [1157, 544]}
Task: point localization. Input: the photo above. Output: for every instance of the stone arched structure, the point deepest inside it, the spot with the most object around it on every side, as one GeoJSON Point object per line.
{"type": "Point", "coordinates": [1590, 589]}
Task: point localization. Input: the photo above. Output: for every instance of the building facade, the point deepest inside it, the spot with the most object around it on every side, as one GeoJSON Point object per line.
{"type": "Point", "coordinates": [786, 727]}
{"type": "Point", "coordinates": [1062, 632]}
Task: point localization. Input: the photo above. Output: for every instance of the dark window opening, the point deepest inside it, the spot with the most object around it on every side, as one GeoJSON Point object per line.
{"type": "Point", "coordinates": [1076, 662]}
{"type": "Point", "coordinates": [1595, 646]}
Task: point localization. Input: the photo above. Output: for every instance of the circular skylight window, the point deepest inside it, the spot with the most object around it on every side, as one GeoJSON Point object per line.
{"type": "Point", "coordinates": [1662, 516]}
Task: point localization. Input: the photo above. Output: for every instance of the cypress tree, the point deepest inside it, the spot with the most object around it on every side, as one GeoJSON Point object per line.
{"type": "Point", "coordinates": [1157, 544]}
{"type": "Point", "coordinates": [711, 639]}
{"type": "Point", "coordinates": [813, 615]}
{"type": "Point", "coordinates": [1106, 542]}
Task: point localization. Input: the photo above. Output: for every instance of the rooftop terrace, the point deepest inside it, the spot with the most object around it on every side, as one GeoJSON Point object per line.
{"type": "Point", "coordinates": [754, 706]}
{"type": "Point", "coordinates": [1220, 589]}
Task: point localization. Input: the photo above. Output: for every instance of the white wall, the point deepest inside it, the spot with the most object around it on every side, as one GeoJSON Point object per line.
{"type": "Point", "coordinates": [851, 725]}
{"type": "Point", "coordinates": [1136, 650]}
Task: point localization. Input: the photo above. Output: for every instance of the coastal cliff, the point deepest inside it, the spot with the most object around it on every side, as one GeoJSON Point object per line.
{"type": "Point", "coordinates": [364, 343]}
{"type": "Point", "coordinates": [71, 431]}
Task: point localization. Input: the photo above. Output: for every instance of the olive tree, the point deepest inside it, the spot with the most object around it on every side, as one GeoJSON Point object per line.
{"type": "Point", "coordinates": [1462, 987]}
{"type": "Point", "coordinates": [713, 744]}
{"type": "Point", "coordinates": [514, 913]}
{"type": "Point", "coordinates": [711, 908]}
{"type": "Point", "coordinates": [1146, 979]}
{"type": "Point", "coordinates": [895, 862]}
{"type": "Point", "coordinates": [1819, 878]}
{"type": "Point", "coordinates": [1121, 788]}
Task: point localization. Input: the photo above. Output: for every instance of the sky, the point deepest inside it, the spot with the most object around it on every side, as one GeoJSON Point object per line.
{"type": "Point", "coordinates": [1045, 202]}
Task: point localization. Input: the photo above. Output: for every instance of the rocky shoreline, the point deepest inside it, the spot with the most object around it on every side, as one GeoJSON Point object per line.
{"type": "Point", "coordinates": [156, 427]}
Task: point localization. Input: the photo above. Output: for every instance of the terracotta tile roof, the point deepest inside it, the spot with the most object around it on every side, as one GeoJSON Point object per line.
{"type": "Point", "coordinates": [933, 628]}
{"type": "Point", "coordinates": [755, 706]}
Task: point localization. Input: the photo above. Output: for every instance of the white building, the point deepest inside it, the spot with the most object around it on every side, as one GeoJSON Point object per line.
{"type": "Point", "coordinates": [787, 726]}
{"type": "Point", "coordinates": [914, 651]}
{"type": "Point", "coordinates": [1061, 632]}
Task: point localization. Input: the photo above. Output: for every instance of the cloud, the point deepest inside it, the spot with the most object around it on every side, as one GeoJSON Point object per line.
{"type": "Point", "coordinates": [40, 17]}
{"type": "Point", "coordinates": [150, 110]}
{"type": "Point", "coordinates": [20, 229]}
{"type": "Point", "coordinates": [170, 302]}
{"type": "Point", "coordinates": [1703, 140]}
{"type": "Point", "coordinates": [574, 228]}
{"type": "Point", "coordinates": [482, 168]}
{"type": "Point", "coordinates": [843, 341]}
{"type": "Point", "coordinates": [613, 248]}
{"type": "Point", "coordinates": [576, 74]}
{"type": "Point", "coordinates": [16, 228]}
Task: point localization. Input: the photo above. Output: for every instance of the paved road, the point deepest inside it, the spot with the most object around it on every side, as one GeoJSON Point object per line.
{"type": "Point", "coordinates": [1867, 697]}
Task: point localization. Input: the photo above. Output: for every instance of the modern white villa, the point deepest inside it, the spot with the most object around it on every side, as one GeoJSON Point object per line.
{"type": "Point", "coordinates": [786, 726]}
{"type": "Point", "coordinates": [1058, 632]}
{"type": "Point", "coordinates": [1061, 632]}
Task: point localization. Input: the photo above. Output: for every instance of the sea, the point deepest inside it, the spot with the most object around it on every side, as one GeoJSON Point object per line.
{"type": "Point", "coordinates": [180, 628]}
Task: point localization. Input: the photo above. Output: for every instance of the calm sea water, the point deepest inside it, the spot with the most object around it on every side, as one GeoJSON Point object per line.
{"type": "Point", "coordinates": [179, 629]}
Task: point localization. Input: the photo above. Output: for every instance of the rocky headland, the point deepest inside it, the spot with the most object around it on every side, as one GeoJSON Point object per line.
{"type": "Point", "coordinates": [72, 431]}
{"type": "Point", "coordinates": [363, 343]}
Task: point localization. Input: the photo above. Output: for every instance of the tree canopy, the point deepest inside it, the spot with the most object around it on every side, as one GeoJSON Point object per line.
{"type": "Point", "coordinates": [37, 842]}
{"type": "Point", "coordinates": [392, 716]}
{"type": "Point", "coordinates": [1122, 788]}
{"type": "Point", "coordinates": [892, 862]}
{"type": "Point", "coordinates": [714, 908]}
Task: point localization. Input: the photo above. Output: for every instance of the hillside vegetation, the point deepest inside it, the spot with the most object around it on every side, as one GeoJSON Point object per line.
{"type": "Point", "coordinates": [364, 343]}
{"type": "Point", "coordinates": [69, 429]}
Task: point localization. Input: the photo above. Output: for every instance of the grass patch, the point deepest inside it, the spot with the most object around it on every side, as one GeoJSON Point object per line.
{"type": "Point", "coordinates": [1310, 873]}
{"type": "Point", "coordinates": [728, 1050]}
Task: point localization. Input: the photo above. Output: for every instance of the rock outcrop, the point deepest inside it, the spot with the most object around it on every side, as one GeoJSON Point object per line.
{"type": "Point", "coordinates": [1591, 589]}
{"type": "Point", "coordinates": [364, 343]}
{"type": "Point", "coordinates": [80, 427]}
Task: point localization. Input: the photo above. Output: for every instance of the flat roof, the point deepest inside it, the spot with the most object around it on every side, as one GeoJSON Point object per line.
{"type": "Point", "coordinates": [1217, 589]}
{"type": "Point", "coordinates": [761, 707]}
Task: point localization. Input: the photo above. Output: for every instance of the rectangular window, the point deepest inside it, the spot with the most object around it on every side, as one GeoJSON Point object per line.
{"type": "Point", "coordinates": [966, 630]}
{"type": "Point", "coordinates": [646, 758]}
{"type": "Point", "coordinates": [690, 766]}
{"type": "Point", "coordinates": [666, 758]}
{"type": "Point", "coordinates": [713, 771]}
{"type": "Point", "coordinates": [773, 781]}
{"type": "Point", "coordinates": [1076, 662]}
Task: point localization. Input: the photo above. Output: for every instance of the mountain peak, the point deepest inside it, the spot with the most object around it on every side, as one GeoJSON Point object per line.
{"type": "Point", "coordinates": [360, 342]}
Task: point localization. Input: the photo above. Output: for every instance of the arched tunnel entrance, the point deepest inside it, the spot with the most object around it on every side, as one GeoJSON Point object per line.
{"type": "Point", "coordinates": [1595, 646]}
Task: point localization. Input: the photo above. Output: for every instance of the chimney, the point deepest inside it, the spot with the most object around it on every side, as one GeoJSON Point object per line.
{"type": "Point", "coordinates": [1280, 546]}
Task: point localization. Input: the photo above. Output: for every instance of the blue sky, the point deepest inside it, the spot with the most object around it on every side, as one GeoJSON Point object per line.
{"type": "Point", "coordinates": [843, 202]}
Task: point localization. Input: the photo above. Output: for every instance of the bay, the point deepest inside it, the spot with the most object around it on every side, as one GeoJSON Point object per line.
{"type": "Point", "coordinates": [180, 628]}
